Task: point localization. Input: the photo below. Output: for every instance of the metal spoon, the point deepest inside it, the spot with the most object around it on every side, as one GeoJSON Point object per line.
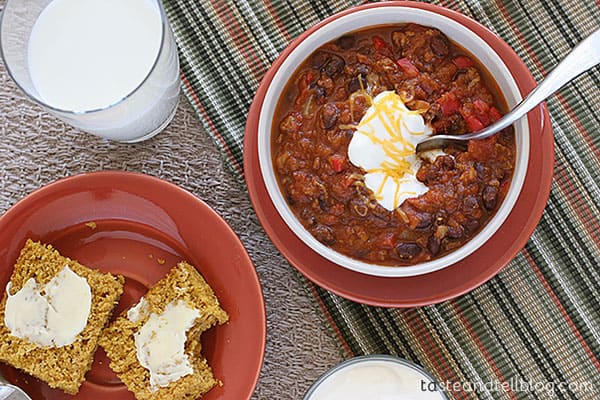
{"type": "Point", "coordinates": [583, 57]}
{"type": "Point", "coordinates": [10, 392]}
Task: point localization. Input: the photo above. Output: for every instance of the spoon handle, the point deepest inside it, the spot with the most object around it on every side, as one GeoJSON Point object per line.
{"type": "Point", "coordinates": [583, 57]}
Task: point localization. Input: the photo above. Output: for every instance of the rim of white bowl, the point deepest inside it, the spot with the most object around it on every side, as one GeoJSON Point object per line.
{"type": "Point", "coordinates": [362, 19]}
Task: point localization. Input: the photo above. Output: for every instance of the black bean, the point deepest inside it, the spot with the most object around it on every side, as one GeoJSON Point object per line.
{"type": "Point", "coordinates": [408, 250]}
{"type": "Point", "coordinates": [425, 220]}
{"type": "Point", "coordinates": [362, 69]}
{"type": "Point", "coordinates": [470, 203]}
{"type": "Point", "coordinates": [489, 195]}
{"type": "Point", "coordinates": [471, 225]}
{"type": "Point", "coordinates": [346, 42]}
{"type": "Point", "coordinates": [291, 199]}
{"type": "Point", "coordinates": [334, 66]}
{"type": "Point", "coordinates": [319, 59]}
{"type": "Point", "coordinates": [480, 169]}
{"type": "Point", "coordinates": [439, 46]}
{"type": "Point", "coordinates": [329, 115]}
{"type": "Point", "coordinates": [320, 92]}
{"type": "Point", "coordinates": [308, 217]}
{"type": "Point", "coordinates": [324, 234]}
{"type": "Point", "coordinates": [354, 84]}
{"type": "Point", "coordinates": [456, 232]}
{"type": "Point", "coordinates": [323, 203]}
{"type": "Point", "coordinates": [433, 245]}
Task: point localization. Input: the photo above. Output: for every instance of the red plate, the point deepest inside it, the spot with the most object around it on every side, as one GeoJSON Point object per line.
{"type": "Point", "coordinates": [144, 226]}
{"type": "Point", "coordinates": [437, 286]}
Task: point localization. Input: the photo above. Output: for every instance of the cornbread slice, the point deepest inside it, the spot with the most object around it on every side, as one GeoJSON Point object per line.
{"type": "Point", "coordinates": [61, 367]}
{"type": "Point", "coordinates": [182, 283]}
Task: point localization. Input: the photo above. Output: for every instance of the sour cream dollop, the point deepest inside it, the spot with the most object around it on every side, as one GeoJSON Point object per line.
{"type": "Point", "coordinates": [383, 145]}
{"type": "Point", "coordinates": [377, 379]}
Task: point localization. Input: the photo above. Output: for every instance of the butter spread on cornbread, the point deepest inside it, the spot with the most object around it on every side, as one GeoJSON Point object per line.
{"type": "Point", "coordinates": [54, 318]}
{"type": "Point", "coordinates": [183, 285]}
{"type": "Point", "coordinates": [139, 311]}
{"type": "Point", "coordinates": [160, 343]}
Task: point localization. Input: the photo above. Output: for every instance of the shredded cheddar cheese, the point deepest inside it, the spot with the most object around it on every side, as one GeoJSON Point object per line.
{"type": "Point", "coordinates": [383, 145]}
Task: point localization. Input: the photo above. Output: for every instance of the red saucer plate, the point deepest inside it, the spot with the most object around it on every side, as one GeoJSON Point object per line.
{"type": "Point", "coordinates": [437, 286]}
{"type": "Point", "coordinates": [140, 226]}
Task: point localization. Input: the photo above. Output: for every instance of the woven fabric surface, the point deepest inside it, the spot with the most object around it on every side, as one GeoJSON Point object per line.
{"type": "Point", "coordinates": [532, 332]}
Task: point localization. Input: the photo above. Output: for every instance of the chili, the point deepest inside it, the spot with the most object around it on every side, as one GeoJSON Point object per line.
{"type": "Point", "coordinates": [327, 97]}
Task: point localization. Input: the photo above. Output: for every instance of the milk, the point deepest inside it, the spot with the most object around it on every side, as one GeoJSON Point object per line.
{"type": "Point", "coordinates": [376, 379]}
{"type": "Point", "coordinates": [87, 55]}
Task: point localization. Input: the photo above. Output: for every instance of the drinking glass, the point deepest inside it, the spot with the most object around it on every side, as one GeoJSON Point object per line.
{"type": "Point", "coordinates": [137, 116]}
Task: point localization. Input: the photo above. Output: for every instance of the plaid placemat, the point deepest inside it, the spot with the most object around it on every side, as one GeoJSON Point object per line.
{"type": "Point", "coordinates": [534, 330]}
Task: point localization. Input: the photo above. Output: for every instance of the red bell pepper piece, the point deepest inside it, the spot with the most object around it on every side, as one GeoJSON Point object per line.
{"type": "Point", "coordinates": [473, 123]}
{"type": "Point", "coordinates": [449, 103]}
{"type": "Point", "coordinates": [408, 67]}
{"type": "Point", "coordinates": [494, 114]}
{"type": "Point", "coordinates": [481, 107]}
{"type": "Point", "coordinates": [463, 62]}
{"type": "Point", "coordinates": [337, 162]}
{"type": "Point", "coordinates": [379, 43]}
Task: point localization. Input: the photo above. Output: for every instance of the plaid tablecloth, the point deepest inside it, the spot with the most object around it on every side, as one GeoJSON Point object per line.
{"type": "Point", "coordinates": [534, 330]}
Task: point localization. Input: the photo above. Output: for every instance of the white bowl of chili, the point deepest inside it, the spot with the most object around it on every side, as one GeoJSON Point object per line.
{"type": "Point", "coordinates": [331, 225]}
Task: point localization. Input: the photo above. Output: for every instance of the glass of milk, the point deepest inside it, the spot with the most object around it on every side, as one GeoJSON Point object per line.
{"type": "Point", "coordinates": [376, 377]}
{"type": "Point", "coordinates": [107, 67]}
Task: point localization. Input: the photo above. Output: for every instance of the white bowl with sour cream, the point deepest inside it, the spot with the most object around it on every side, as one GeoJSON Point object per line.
{"type": "Point", "coordinates": [376, 377]}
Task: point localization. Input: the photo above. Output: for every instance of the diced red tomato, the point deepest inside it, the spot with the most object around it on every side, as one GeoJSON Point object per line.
{"type": "Point", "coordinates": [379, 43]}
{"type": "Point", "coordinates": [479, 114]}
{"type": "Point", "coordinates": [337, 162]}
{"type": "Point", "coordinates": [481, 106]}
{"type": "Point", "coordinates": [494, 114]}
{"type": "Point", "coordinates": [463, 62]}
{"type": "Point", "coordinates": [484, 119]}
{"type": "Point", "coordinates": [408, 67]}
{"type": "Point", "coordinates": [473, 123]}
{"type": "Point", "coordinates": [449, 103]}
